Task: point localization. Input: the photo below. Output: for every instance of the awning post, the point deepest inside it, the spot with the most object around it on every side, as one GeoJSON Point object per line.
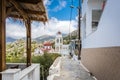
{"type": "Point", "coordinates": [2, 36]}
{"type": "Point", "coordinates": [28, 45]}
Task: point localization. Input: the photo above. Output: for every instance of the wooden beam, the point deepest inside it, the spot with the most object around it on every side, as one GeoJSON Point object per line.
{"type": "Point", "coordinates": [9, 10]}
{"type": "Point", "coordinates": [32, 18]}
{"type": "Point", "coordinates": [2, 36]}
{"type": "Point", "coordinates": [41, 6]}
{"type": "Point", "coordinates": [27, 11]}
{"type": "Point", "coordinates": [42, 18]}
{"type": "Point", "coordinates": [18, 7]}
{"type": "Point", "coordinates": [15, 16]}
{"type": "Point", "coordinates": [34, 12]}
{"type": "Point", "coordinates": [29, 1]}
{"type": "Point", "coordinates": [28, 30]}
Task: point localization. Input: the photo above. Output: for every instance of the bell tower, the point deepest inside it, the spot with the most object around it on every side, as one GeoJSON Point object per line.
{"type": "Point", "coordinates": [58, 42]}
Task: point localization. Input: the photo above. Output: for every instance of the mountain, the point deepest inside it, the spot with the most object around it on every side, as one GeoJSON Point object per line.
{"type": "Point", "coordinates": [41, 38]}
{"type": "Point", "coordinates": [44, 38]}
{"type": "Point", "coordinates": [38, 39]}
{"type": "Point", "coordinates": [49, 37]}
{"type": "Point", "coordinates": [63, 35]}
{"type": "Point", "coordinates": [73, 34]}
{"type": "Point", "coordinates": [10, 39]}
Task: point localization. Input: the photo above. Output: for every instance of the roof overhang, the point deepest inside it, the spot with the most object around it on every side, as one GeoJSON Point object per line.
{"type": "Point", "coordinates": [26, 9]}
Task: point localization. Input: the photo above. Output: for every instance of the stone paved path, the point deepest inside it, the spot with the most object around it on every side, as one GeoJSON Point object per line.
{"type": "Point", "coordinates": [72, 70]}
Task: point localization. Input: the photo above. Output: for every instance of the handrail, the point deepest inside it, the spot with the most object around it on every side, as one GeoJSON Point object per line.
{"type": "Point", "coordinates": [28, 70]}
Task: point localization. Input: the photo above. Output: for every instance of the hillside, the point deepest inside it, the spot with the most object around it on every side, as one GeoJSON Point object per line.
{"type": "Point", "coordinates": [44, 38]}
{"type": "Point", "coordinates": [73, 35]}
{"type": "Point", "coordinates": [9, 39]}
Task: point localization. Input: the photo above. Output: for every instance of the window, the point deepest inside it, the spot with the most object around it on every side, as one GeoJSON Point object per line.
{"type": "Point", "coordinates": [60, 40]}
{"type": "Point", "coordinates": [60, 47]}
{"type": "Point", "coordinates": [94, 25]}
{"type": "Point", "coordinates": [57, 40]}
{"type": "Point", "coordinates": [96, 15]}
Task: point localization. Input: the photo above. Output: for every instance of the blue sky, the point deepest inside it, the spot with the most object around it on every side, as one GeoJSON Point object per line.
{"type": "Point", "coordinates": [61, 9]}
{"type": "Point", "coordinates": [59, 20]}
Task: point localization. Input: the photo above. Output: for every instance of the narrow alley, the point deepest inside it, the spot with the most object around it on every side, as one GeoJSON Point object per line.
{"type": "Point", "coordinates": [71, 69]}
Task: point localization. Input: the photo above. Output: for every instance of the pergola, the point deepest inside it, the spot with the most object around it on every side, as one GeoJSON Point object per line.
{"type": "Point", "coordinates": [27, 10]}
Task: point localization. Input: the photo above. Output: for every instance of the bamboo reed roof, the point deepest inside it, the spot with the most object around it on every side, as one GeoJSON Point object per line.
{"type": "Point", "coordinates": [26, 9]}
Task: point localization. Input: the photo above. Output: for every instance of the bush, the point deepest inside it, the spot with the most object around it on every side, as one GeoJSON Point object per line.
{"type": "Point", "coordinates": [45, 61]}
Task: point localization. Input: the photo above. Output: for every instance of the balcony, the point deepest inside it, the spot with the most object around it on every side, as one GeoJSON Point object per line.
{"type": "Point", "coordinates": [22, 72]}
{"type": "Point", "coordinates": [35, 11]}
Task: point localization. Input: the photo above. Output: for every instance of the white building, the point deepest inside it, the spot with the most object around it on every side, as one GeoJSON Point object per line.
{"type": "Point", "coordinates": [38, 51]}
{"type": "Point", "coordinates": [59, 46]}
{"type": "Point", "coordinates": [65, 50]}
{"type": "Point", "coordinates": [100, 27]}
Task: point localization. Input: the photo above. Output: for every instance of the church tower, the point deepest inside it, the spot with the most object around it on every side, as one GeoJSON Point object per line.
{"type": "Point", "coordinates": [58, 42]}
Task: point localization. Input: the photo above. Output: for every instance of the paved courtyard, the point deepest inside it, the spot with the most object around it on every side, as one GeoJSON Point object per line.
{"type": "Point", "coordinates": [72, 70]}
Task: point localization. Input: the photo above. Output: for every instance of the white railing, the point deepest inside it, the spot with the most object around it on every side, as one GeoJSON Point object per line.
{"type": "Point", "coordinates": [54, 70]}
{"type": "Point", "coordinates": [29, 73]}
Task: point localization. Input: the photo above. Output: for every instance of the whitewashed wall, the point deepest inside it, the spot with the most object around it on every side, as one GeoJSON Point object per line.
{"type": "Point", "coordinates": [87, 7]}
{"type": "Point", "coordinates": [108, 32]}
{"type": "Point", "coordinates": [84, 6]}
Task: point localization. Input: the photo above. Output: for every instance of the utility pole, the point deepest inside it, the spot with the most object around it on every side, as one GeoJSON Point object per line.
{"type": "Point", "coordinates": [79, 32]}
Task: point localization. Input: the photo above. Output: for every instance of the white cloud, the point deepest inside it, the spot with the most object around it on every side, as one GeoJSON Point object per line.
{"type": "Point", "coordinates": [15, 30]}
{"type": "Point", "coordinates": [53, 26]}
{"type": "Point", "coordinates": [61, 5]}
{"type": "Point", "coordinates": [47, 2]}
{"type": "Point", "coordinates": [39, 29]}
